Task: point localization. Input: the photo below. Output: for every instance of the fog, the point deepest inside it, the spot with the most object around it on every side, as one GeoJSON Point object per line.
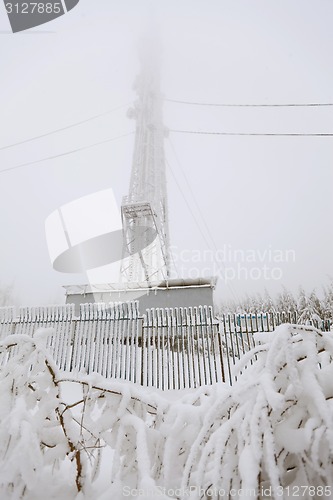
{"type": "Point", "coordinates": [236, 203]}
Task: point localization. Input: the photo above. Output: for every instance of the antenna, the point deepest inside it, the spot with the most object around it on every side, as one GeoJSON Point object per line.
{"type": "Point", "coordinates": [144, 211]}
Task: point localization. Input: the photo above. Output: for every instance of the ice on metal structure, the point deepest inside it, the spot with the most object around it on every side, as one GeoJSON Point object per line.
{"type": "Point", "coordinates": [145, 264]}
{"type": "Point", "coordinates": [144, 210]}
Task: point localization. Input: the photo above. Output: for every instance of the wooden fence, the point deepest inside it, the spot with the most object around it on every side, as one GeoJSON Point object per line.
{"type": "Point", "coordinates": [165, 348]}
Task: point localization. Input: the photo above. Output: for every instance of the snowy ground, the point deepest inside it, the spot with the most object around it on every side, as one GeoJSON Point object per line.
{"type": "Point", "coordinates": [270, 435]}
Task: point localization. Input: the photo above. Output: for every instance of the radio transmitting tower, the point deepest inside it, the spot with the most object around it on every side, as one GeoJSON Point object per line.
{"type": "Point", "coordinates": [145, 263]}
{"type": "Point", "coordinates": [144, 210]}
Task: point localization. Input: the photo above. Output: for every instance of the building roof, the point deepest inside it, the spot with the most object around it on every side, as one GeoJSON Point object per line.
{"type": "Point", "coordinates": [159, 285]}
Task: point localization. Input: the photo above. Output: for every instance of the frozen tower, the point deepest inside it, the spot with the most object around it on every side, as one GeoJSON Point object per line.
{"type": "Point", "coordinates": [144, 210]}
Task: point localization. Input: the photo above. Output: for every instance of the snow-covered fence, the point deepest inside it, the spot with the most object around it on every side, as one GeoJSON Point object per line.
{"type": "Point", "coordinates": [238, 331]}
{"type": "Point", "coordinates": [165, 348]}
{"type": "Point", "coordinates": [181, 347]}
{"type": "Point", "coordinates": [101, 339]}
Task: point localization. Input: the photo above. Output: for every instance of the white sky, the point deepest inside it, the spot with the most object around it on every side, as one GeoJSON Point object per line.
{"type": "Point", "coordinates": [252, 192]}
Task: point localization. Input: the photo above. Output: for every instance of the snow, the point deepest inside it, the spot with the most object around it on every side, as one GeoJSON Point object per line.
{"type": "Point", "coordinates": [83, 436]}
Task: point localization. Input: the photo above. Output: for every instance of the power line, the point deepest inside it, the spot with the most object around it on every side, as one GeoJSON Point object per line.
{"type": "Point", "coordinates": [191, 192]}
{"type": "Point", "coordinates": [196, 221]}
{"type": "Point", "coordinates": [186, 202]}
{"type": "Point", "coordinates": [254, 134]}
{"type": "Point", "coordinates": [64, 154]}
{"type": "Point", "coordinates": [229, 105]}
{"type": "Point", "coordinates": [63, 128]}
{"type": "Point", "coordinates": [199, 210]}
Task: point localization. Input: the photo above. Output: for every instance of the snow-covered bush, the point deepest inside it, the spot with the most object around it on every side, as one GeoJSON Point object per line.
{"type": "Point", "coordinates": [81, 436]}
{"type": "Point", "coordinates": [36, 446]}
{"type": "Point", "coordinates": [275, 427]}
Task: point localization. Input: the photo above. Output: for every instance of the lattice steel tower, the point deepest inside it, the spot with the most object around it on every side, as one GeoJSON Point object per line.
{"type": "Point", "coordinates": [144, 210]}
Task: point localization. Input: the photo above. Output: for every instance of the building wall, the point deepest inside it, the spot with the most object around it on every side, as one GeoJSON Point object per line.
{"type": "Point", "coordinates": [171, 297]}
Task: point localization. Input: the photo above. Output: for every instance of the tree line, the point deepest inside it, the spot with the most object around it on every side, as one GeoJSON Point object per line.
{"type": "Point", "coordinates": [307, 305]}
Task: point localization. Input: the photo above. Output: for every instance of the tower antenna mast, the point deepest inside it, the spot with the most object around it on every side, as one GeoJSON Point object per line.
{"type": "Point", "coordinates": [144, 211]}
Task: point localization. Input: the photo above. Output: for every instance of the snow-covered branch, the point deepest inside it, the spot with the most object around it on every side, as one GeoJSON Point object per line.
{"type": "Point", "coordinates": [86, 436]}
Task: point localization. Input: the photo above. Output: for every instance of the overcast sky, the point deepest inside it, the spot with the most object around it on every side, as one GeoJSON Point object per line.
{"type": "Point", "coordinates": [235, 193]}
